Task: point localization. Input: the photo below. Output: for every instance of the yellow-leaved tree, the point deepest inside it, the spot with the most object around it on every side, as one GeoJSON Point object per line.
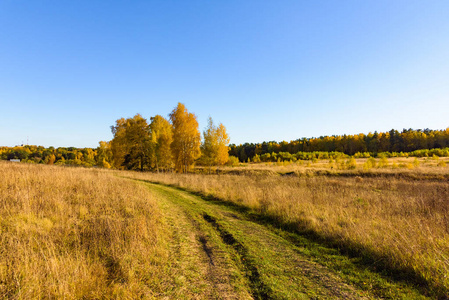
{"type": "Point", "coordinates": [104, 155]}
{"type": "Point", "coordinates": [161, 133]}
{"type": "Point", "coordinates": [214, 148]}
{"type": "Point", "coordinates": [186, 138]}
{"type": "Point", "coordinates": [118, 143]}
{"type": "Point", "coordinates": [223, 141]}
{"type": "Point", "coordinates": [131, 143]}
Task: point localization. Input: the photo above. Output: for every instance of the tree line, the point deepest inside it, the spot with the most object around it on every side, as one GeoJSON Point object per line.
{"type": "Point", "coordinates": [176, 144]}
{"type": "Point", "coordinates": [359, 145]}
{"type": "Point", "coordinates": [87, 157]}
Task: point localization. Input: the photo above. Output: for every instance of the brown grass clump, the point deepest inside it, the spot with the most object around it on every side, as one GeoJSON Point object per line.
{"type": "Point", "coordinates": [76, 233]}
{"type": "Point", "coordinates": [401, 221]}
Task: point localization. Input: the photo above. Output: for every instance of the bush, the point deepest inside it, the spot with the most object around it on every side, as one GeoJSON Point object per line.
{"type": "Point", "coordinates": [351, 164]}
{"type": "Point", "coordinates": [416, 162]}
{"type": "Point", "coordinates": [370, 163]}
{"type": "Point", "coordinates": [383, 162]}
{"type": "Point", "coordinates": [233, 161]}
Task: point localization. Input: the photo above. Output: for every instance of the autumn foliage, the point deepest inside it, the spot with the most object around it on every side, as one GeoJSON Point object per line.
{"type": "Point", "coordinates": [186, 138]}
{"type": "Point", "coordinates": [214, 146]}
{"type": "Point", "coordinates": [159, 145]}
{"type": "Point", "coordinates": [161, 140]}
{"type": "Point", "coordinates": [175, 143]}
{"type": "Point", "coordinates": [165, 144]}
{"type": "Point", "coordinates": [131, 143]}
{"type": "Point", "coordinates": [391, 143]}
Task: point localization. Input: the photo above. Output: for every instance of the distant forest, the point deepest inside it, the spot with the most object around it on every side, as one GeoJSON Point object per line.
{"type": "Point", "coordinates": [390, 143]}
{"type": "Point", "coordinates": [409, 142]}
{"type": "Point", "coordinates": [87, 157]}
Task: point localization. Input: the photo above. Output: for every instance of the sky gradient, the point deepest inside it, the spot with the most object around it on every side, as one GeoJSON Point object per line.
{"type": "Point", "coordinates": [267, 70]}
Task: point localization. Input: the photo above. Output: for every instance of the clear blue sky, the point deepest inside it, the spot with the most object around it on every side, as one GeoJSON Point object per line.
{"type": "Point", "coordinates": [267, 70]}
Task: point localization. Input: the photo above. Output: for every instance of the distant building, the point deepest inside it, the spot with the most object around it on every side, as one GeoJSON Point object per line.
{"type": "Point", "coordinates": [15, 160]}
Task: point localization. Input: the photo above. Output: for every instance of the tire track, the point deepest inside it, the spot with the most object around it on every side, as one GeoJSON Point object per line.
{"type": "Point", "coordinates": [259, 290]}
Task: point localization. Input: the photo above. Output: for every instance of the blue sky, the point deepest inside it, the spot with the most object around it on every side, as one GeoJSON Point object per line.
{"type": "Point", "coordinates": [267, 70]}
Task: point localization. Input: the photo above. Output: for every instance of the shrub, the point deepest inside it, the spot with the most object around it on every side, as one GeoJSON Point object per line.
{"type": "Point", "coordinates": [383, 163]}
{"type": "Point", "coordinates": [351, 163]}
{"type": "Point", "coordinates": [233, 161]}
{"type": "Point", "coordinates": [370, 163]}
{"type": "Point", "coordinates": [441, 163]}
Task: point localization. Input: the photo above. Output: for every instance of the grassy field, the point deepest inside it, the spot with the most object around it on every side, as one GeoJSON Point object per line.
{"type": "Point", "coordinates": [77, 233]}
{"type": "Point", "coordinates": [91, 233]}
{"type": "Point", "coordinates": [397, 215]}
{"type": "Point", "coordinates": [250, 258]}
{"type": "Point", "coordinates": [433, 166]}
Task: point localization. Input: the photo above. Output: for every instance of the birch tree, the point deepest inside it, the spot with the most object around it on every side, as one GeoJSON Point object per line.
{"type": "Point", "coordinates": [214, 148]}
{"type": "Point", "coordinates": [161, 133]}
{"type": "Point", "coordinates": [186, 138]}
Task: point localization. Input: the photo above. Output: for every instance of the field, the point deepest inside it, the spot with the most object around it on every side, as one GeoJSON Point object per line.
{"type": "Point", "coordinates": [397, 214]}
{"type": "Point", "coordinates": [77, 233]}
{"type": "Point", "coordinates": [329, 230]}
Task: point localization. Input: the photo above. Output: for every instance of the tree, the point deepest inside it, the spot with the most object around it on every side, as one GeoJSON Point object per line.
{"type": "Point", "coordinates": [161, 133]}
{"type": "Point", "coordinates": [118, 143]}
{"type": "Point", "coordinates": [104, 155]}
{"type": "Point", "coordinates": [214, 147]}
{"type": "Point", "coordinates": [131, 143]}
{"type": "Point", "coordinates": [51, 159]}
{"type": "Point", "coordinates": [186, 138]}
{"type": "Point", "coordinates": [209, 147]}
{"type": "Point", "coordinates": [223, 141]}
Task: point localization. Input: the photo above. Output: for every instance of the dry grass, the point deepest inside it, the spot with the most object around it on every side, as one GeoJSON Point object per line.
{"type": "Point", "coordinates": [77, 233]}
{"type": "Point", "coordinates": [398, 165]}
{"type": "Point", "coordinates": [403, 222]}
{"type": "Point", "coordinates": [83, 233]}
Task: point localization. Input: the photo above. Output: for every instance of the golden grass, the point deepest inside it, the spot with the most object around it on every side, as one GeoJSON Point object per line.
{"type": "Point", "coordinates": [84, 233]}
{"type": "Point", "coordinates": [403, 222]}
{"type": "Point", "coordinates": [76, 233]}
{"type": "Point", "coordinates": [413, 165]}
